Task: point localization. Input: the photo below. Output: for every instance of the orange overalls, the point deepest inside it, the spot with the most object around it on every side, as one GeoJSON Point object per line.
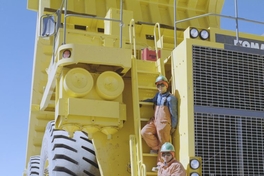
{"type": "Point", "coordinates": [157, 131]}
{"type": "Point", "coordinates": [172, 168]}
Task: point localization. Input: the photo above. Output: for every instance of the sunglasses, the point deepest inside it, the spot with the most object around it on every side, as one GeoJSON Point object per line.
{"type": "Point", "coordinates": [161, 85]}
{"type": "Point", "coordinates": [166, 154]}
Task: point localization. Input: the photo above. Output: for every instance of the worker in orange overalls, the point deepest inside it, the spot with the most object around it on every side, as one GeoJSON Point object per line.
{"type": "Point", "coordinates": [158, 130]}
{"type": "Point", "coordinates": [170, 165]}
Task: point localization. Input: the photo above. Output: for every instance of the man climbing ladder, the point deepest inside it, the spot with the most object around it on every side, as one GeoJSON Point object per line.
{"type": "Point", "coordinates": [158, 130]}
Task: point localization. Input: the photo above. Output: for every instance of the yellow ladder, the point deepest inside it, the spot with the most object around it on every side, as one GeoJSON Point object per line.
{"type": "Point", "coordinates": [144, 74]}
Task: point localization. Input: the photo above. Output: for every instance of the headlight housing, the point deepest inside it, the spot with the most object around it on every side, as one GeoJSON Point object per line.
{"type": "Point", "coordinates": [204, 34]}
{"type": "Point", "coordinates": [194, 33]}
{"type": "Point", "coordinates": [194, 164]}
{"type": "Point", "coordinates": [194, 174]}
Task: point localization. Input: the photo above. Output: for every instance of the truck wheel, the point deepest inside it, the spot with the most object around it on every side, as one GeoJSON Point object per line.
{"type": "Point", "coordinates": [33, 166]}
{"type": "Point", "coordinates": [62, 155]}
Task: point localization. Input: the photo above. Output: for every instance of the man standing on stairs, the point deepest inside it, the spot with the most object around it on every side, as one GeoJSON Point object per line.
{"type": "Point", "coordinates": [158, 130]}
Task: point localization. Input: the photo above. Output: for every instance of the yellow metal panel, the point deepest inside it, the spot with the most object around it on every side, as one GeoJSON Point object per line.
{"type": "Point", "coordinates": [111, 4]}
{"type": "Point", "coordinates": [98, 55]}
{"type": "Point", "coordinates": [167, 15]}
{"type": "Point", "coordinates": [182, 14]}
{"type": "Point", "coordinates": [185, 133]}
{"type": "Point", "coordinates": [79, 6]}
{"type": "Point", "coordinates": [32, 5]}
{"type": "Point", "coordinates": [134, 6]}
{"type": "Point", "coordinates": [90, 7]}
{"type": "Point", "coordinates": [146, 66]}
{"type": "Point", "coordinates": [94, 108]}
{"type": "Point", "coordinates": [55, 4]}
{"type": "Point", "coordinates": [155, 13]}
{"type": "Point", "coordinates": [70, 4]}
{"type": "Point", "coordinates": [113, 28]}
{"type": "Point", "coordinates": [101, 8]}
{"type": "Point", "coordinates": [83, 112]}
{"type": "Point", "coordinates": [141, 10]}
{"type": "Point", "coordinates": [184, 92]}
{"type": "Point", "coordinates": [147, 11]}
{"type": "Point", "coordinates": [191, 13]}
{"type": "Point", "coordinates": [113, 154]}
{"type": "Point", "coordinates": [215, 7]}
{"type": "Point", "coordinates": [37, 141]}
{"type": "Point", "coordinates": [37, 125]}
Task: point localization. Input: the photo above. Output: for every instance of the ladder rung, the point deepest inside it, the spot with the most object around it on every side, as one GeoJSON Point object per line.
{"type": "Point", "coordinates": [144, 119]}
{"type": "Point", "coordinates": [145, 103]}
{"type": "Point", "coordinates": [150, 154]}
{"type": "Point", "coordinates": [147, 87]}
{"type": "Point", "coordinates": [151, 173]}
{"type": "Point", "coordinates": [148, 72]}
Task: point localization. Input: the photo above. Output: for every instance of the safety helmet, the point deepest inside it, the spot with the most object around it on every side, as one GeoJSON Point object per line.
{"type": "Point", "coordinates": [161, 78]}
{"type": "Point", "coordinates": [167, 147]}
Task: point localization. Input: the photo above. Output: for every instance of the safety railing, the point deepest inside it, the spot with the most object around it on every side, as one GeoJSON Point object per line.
{"type": "Point", "coordinates": [236, 18]}
{"type": "Point", "coordinates": [133, 155]}
{"type": "Point", "coordinates": [132, 36]}
{"type": "Point", "coordinates": [64, 5]}
{"type": "Point", "coordinates": [157, 25]}
{"type": "Point", "coordinates": [142, 168]}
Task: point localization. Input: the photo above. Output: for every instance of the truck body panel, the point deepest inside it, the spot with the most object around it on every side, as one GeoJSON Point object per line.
{"type": "Point", "coordinates": [116, 49]}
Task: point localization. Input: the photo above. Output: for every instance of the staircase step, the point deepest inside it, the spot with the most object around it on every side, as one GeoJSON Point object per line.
{"type": "Point", "coordinates": [144, 75]}
{"type": "Point", "coordinates": [145, 103]}
{"type": "Point", "coordinates": [147, 87]}
{"type": "Point", "coordinates": [149, 66]}
{"type": "Point", "coordinates": [149, 72]}
{"type": "Point", "coordinates": [150, 154]}
{"type": "Point", "coordinates": [144, 119]}
{"type": "Point", "coordinates": [151, 173]}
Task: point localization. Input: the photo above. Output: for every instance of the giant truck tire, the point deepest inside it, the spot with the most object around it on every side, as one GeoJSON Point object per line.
{"type": "Point", "coordinates": [33, 166]}
{"type": "Point", "coordinates": [65, 156]}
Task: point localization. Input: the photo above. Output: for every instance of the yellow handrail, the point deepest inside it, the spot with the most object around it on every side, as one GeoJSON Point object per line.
{"type": "Point", "coordinates": [143, 169]}
{"type": "Point", "coordinates": [157, 25]}
{"type": "Point", "coordinates": [133, 154]}
{"type": "Point", "coordinates": [132, 35]}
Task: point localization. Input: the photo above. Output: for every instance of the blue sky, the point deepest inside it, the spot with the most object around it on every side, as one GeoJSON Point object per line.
{"type": "Point", "coordinates": [17, 29]}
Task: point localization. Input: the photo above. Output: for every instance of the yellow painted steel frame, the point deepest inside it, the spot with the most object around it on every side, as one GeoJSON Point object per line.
{"type": "Point", "coordinates": [182, 58]}
{"type": "Point", "coordinates": [101, 101]}
{"type": "Point", "coordinates": [102, 108]}
{"type": "Point", "coordinates": [182, 65]}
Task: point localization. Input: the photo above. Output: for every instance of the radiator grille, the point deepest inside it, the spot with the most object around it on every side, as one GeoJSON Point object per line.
{"type": "Point", "coordinates": [230, 81]}
{"type": "Point", "coordinates": [229, 145]}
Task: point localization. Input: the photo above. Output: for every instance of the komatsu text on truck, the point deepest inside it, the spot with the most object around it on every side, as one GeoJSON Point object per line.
{"type": "Point", "coordinates": [95, 60]}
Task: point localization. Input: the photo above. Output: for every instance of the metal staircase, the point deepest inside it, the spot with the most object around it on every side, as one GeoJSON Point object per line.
{"type": "Point", "coordinates": [144, 74]}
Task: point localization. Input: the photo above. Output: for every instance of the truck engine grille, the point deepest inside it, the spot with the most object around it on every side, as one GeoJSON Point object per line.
{"type": "Point", "coordinates": [229, 117]}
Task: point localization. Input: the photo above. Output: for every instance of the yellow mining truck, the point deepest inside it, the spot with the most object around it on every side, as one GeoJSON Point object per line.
{"type": "Point", "coordinates": [96, 59]}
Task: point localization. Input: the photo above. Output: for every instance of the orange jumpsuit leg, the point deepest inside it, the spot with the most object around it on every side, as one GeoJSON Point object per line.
{"type": "Point", "coordinates": [163, 132]}
{"type": "Point", "coordinates": [149, 134]}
